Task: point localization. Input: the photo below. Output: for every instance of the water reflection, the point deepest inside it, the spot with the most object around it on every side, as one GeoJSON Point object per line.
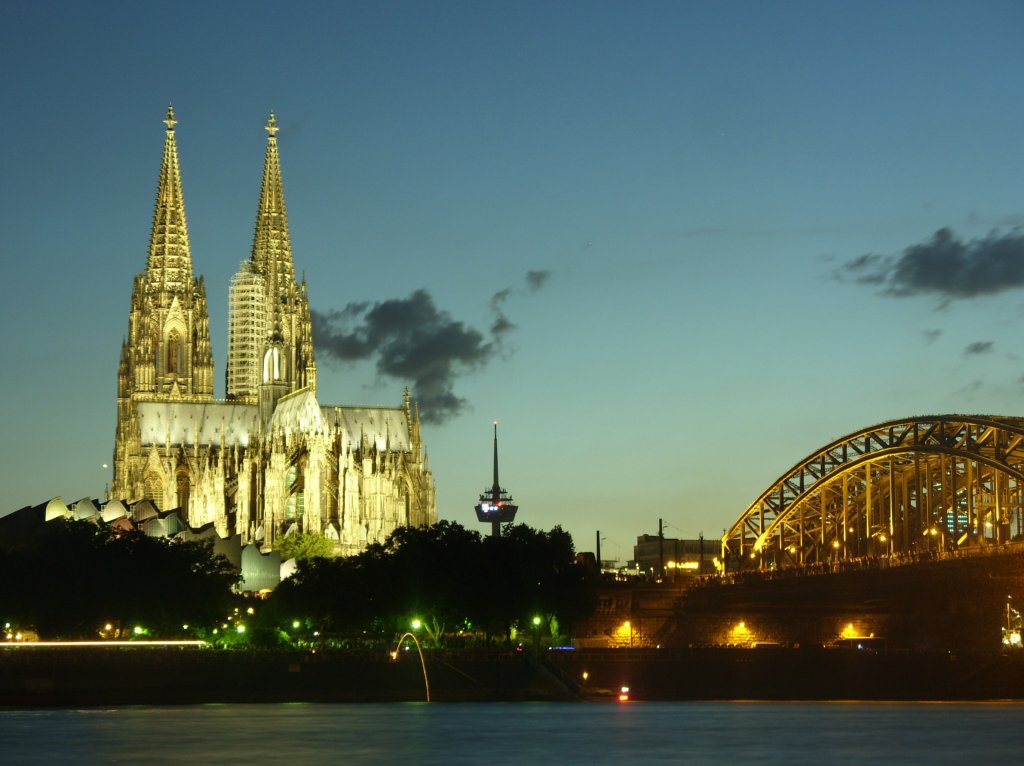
{"type": "Point", "coordinates": [503, 733]}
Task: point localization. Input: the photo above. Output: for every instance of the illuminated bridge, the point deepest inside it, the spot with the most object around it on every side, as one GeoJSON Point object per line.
{"type": "Point", "coordinates": [906, 488]}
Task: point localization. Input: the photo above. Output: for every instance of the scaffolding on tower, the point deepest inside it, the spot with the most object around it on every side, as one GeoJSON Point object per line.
{"type": "Point", "coordinates": [247, 332]}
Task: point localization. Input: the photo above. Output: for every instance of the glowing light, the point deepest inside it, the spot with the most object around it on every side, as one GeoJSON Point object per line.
{"type": "Point", "coordinates": [240, 628]}
{"type": "Point", "coordinates": [295, 623]}
{"type": "Point", "coordinates": [419, 651]}
{"type": "Point", "coordinates": [147, 642]}
{"type": "Point", "coordinates": [835, 544]}
{"type": "Point", "coordinates": [624, 694]}
{"type": "Point", "coordinates": [586, 675]}
{"type": "Point", "coordinates": [250, 610]}
{"type": "Point", "coordinates": [416, 623]}
{"type": "Point", "coordinates": [138, 630]}
{"type": "Point", "coordinates": [536, 621]}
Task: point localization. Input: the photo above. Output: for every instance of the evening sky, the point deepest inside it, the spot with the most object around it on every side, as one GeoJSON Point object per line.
{"type": "Point", "coordinates": [673, 247]}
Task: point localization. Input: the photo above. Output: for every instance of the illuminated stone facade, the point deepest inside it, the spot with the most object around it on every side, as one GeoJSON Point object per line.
{"type": "Point", "coordinates": [270, 459]}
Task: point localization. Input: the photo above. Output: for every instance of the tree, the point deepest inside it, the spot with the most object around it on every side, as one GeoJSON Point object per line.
{"type": "Point", "coordinates": [76, 576]}
{"type": "Point", "coordinates": [446, 576]}
{"type": "Point", "coordinates": [303, 546]}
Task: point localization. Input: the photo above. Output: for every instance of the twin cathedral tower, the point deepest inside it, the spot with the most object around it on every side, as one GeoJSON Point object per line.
{"type": "Point", "coordinates": [269, 460]}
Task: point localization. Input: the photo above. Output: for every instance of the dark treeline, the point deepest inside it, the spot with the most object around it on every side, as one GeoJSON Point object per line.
{"type": "Point", "coordinates": [74, 578]}
{"type": "Point", "coordinates": [460, 586]}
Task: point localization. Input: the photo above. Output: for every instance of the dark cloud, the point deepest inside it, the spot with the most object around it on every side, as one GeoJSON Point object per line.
{"type": "Point", "coordinates": [501, 324]}
{"type": "Point", "coordinates": [535, 280]}
{"type": "Point", "coordinates": [412, 340]}
{"type": "Point", "coordinates": [978, 347]}
{"type": "Point", "coordinates": [945, 266]}
{"type": "Point", "coordinates": [930, 336]}
{"type": "Point", "coordinates": [864, 270]}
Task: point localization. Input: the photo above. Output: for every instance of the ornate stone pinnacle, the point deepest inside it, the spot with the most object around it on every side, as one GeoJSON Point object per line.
{"type": "Point", "coordinates": [170, 122]}
{"type": "Point", "coordinates": [271, 126]}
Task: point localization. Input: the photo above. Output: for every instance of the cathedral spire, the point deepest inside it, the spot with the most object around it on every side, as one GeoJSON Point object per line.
{"type": "Point", "coordinates": [170, 258]}
{"type": "Point", "coordinates": [271, 244]}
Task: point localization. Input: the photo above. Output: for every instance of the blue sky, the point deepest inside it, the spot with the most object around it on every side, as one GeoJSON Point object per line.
{"type": "Point", "coordinates": [694, 181]}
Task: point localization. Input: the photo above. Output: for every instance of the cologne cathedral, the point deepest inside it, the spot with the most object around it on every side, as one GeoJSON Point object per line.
{"type": "Point", "coordinates": [269, 460]}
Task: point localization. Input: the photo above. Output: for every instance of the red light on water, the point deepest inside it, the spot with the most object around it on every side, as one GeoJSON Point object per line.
{"type": "Point", "coordinates": [624, 697]}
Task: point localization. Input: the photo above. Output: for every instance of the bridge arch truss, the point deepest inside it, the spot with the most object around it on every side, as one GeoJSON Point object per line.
{"type": "Point", "coordinates": [901, 488]}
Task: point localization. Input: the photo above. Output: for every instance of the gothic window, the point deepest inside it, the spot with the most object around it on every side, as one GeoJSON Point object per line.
{"type": "Point", "coordinates": [153, 489]}
{"type": "Point", "coordinates": [175, 360]}
{"type": "Point", "coordinates": [273, 366]}
{"type": "Point", "coordinates": [183, 487]}
{"type": "Point", "coordinates": [295, 505]}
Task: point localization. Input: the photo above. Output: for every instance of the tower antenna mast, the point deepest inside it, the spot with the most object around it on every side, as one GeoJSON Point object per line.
{"type": "Point", "coordinates": [496, 505]}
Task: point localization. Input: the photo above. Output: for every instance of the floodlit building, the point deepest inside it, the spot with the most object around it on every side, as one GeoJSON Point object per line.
{"type": "Point", "coordinates": [269, 460]}
{"type": "Point", "coordinates": [669, 556]}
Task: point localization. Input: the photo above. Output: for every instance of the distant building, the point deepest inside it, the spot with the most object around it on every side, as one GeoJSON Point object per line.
{"type": "Point", "coordinates": [259, 571]}
{"type": "Point", "coordinates": [269, 460]}
{"type": "Point", "coordinates": [678, 556]}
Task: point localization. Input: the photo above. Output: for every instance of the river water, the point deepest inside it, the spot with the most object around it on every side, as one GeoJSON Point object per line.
{"type": "Point", "coordinates": [517, 733]}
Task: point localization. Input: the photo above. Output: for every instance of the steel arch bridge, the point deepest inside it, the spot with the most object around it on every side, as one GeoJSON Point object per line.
{"type": "Point", "coordinates": [902, 488]}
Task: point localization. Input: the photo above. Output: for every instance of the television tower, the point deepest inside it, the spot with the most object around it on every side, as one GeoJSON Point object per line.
{"type": "Point", "coordinates": [496, 505]}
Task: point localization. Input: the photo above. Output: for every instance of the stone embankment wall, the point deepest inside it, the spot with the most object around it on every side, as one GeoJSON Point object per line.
{"type": "Point", "coordinates": [955, 604]}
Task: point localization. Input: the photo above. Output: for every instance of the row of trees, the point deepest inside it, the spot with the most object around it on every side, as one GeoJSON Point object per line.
{"type": "Point", "coordinates": [73, 578]}
{"type": "Point", "coordinates": [447, 577]}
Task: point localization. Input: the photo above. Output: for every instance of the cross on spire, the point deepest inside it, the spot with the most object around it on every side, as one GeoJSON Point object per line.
{"type": "Point", "coordinates": [170, 122]}
{"type": "Point", "coordinates": [271, 126]}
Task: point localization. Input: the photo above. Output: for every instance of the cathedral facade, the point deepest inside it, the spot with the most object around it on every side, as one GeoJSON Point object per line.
{"type": "Point", "coordinates": [269, 460]}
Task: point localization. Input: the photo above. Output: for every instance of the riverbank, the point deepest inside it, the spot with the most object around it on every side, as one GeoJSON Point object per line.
{"type": "Point", "coordinates": [126, 676]}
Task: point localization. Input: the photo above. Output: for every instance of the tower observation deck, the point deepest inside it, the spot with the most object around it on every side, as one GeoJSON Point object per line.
{"type": "Point", "coordinates": [496, 505]}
